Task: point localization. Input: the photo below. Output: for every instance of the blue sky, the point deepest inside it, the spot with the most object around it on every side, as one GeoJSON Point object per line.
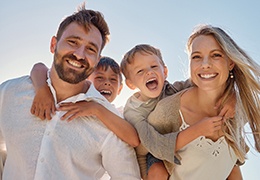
{"type": "Point", "coordinates": [27, 26]}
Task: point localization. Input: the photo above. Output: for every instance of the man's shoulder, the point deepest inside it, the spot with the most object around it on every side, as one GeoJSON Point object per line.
{"type": "Point", "coordinates": [15, 82]}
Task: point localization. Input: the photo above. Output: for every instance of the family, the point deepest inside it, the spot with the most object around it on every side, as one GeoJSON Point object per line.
{"type": "Point", "coordinates": [60, 123]}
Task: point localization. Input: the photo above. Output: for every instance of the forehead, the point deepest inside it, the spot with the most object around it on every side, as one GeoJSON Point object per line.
{"type": "Point", "coordinates": [204, 42]}
{"type": "Point", "coordinates": [93, 35]}
{"type": "Point", "coordinates": [143, 58]}
{"type": "Point", "coordinates": [107, 71]}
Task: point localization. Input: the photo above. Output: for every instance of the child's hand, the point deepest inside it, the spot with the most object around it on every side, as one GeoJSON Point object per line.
{"type": "Point", "coordinates": [43, 103]}
{"type": "Point", "coordinates": [81, 108]}
{"type": "Point", "coordinates": [228, 110]}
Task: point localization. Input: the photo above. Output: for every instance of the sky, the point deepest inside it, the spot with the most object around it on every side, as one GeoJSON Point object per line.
{"type": "Point", "coordinates": [27, 26]}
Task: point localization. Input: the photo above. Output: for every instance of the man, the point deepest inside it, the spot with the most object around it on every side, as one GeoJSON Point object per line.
{"type": "Point", "coordinates": [81, 149]}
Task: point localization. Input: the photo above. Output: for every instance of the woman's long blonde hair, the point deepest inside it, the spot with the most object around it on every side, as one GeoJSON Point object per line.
{"type": "Point", "coordinates": [245, 84]}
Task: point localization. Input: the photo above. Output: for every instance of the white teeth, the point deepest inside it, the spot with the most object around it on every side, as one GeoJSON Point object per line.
{"type": "Point", "coordinates": [105, 92]}
{"type": "Point", "coordinates": [74, 63]}
{"type": "Point", "coordinates": [153, 79]}
{"type": "Point", "coordinates": [207, 76]}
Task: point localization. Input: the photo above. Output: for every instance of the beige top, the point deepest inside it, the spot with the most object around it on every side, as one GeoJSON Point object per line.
{"type": "Point", "coordinates": [204, 159]}
{"type": "Point", "coordinates": [192, 160]}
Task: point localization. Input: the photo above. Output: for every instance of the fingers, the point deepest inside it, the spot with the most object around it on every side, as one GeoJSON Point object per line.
{"type": "Point", "coordinates": [73, 113]}
{"type": "Point", "coordinates": [42, 111]}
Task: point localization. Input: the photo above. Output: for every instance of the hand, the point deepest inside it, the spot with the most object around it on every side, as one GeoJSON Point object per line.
{"type": "Point", "coordinates": [81, 108]}
{"type": "Point", "coordinates": [209, 126]}
{"type": "Point", "coordinates": [43, 104]}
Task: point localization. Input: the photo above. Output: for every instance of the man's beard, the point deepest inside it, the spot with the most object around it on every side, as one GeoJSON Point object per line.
{"type": "Point", "coordinates": [70, 75]}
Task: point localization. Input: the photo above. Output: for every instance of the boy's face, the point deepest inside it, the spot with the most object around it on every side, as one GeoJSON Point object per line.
{"type": "Point", "coordinates": [147, 74]}
{"type": "Point", "coordinates": [106, 82]}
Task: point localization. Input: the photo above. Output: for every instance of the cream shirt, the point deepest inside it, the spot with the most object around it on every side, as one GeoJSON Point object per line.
{"type": "Point", "coordinates": [81, 149]}
{"type": "Point", "coordinates": [204, 159]}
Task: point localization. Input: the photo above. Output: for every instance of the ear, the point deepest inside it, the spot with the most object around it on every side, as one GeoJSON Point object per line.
{"type": "Point", "coordinates": [53, 44]}
{"type": "Point", "coordinates": [130, 84]}
{"type": "Point", "coordinates": [231, 65]}
{"type": "Point", "coordinates": [119, 89]}
{"type": "Point", "coordinates": [165, 71]}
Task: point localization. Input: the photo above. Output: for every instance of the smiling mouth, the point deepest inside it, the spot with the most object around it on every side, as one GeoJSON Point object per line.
{"type": "Point", "coordinates": [208, 76]}
{"type": "Point", "coordinates": [105, 92]}
{"type": "Point", "coordinates": [75, 64]}
{"type": "Point", "coordinates": [152, 84]}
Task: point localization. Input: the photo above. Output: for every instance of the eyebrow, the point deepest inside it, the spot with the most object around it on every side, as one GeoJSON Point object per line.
{"type": "Point", "coordinates": [210, 51]}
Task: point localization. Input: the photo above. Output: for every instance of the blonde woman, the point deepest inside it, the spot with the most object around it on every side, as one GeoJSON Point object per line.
{"type": "Point", "coordinates": [219, 68]}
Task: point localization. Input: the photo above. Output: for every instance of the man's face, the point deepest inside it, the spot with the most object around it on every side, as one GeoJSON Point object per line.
{"type": "Point", "coordinates": [76, 52]}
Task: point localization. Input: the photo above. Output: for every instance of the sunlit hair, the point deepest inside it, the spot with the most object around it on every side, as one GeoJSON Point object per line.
{"type": "Point", "coordinates": [85, 18]}
{"type": "Point", "coordinates": [143, 49]}
{"type": "Point", "coordinates": [245, 84]}
{"type": "Point", "coordinates": [107, 62]}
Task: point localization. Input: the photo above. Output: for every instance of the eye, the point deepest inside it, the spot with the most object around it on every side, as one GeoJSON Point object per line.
{"type": "Point", "coordinates": [140, 71]}
{"type": "Point", "coordinates": [99, 77]}
{"type": "Point", "coordinates": [72, 42]}
{"type": "Point", "coordinates": [196, 57]}
{"type": "Point", "coordinates": [154, 66]}
{"type": "Point", "coordinates": [91, 49]}
{"type": "Point", "coordinates": [217, 55]}
{"type": "Point", "coordinates": [114, 80]}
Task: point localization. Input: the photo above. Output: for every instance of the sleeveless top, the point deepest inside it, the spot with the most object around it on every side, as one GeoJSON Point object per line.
{"type": "Point", "coordinates": [204, 159]}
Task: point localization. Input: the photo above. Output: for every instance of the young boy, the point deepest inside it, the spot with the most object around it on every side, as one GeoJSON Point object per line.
{"type": "Point", "coordinates": [144, 69]}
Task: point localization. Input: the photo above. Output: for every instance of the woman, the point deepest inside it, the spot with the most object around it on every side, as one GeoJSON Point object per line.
{"type": "Point", "coordinates": [219, 68]}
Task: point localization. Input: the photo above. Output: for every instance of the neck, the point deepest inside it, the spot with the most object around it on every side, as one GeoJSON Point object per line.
{"type": "Point", "coordinates": [206, 100]}
{"type": "Point", "coordinates": [64, 89]}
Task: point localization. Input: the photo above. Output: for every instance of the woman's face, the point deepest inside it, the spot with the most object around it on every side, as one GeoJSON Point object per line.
{"type": "Point", "coordinates": [209, 65]}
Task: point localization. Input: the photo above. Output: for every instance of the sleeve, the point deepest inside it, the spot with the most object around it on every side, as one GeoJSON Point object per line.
{"type": "Point", "coordinates": [141, 154]}
{"type": "Point", "coordinates": [160, 145]}
{"type": "Point", "coordinates": [119, 159]}
{"type": "Point", "coordinates": [181, 85]}
{"type": "Point", "coordinates": [152, 140]}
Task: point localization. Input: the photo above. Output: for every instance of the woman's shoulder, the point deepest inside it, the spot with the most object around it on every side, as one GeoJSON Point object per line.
{"type": "Point", "coordinates": [172, 99]}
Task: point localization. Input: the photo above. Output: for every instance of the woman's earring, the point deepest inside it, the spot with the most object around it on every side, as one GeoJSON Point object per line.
{"type": "Point", "coordinates": [231, 75]}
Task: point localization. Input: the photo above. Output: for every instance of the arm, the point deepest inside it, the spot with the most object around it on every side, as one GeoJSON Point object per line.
{"type": "Point", "coordinates": [174, 141]}
{"type": "Point", "coordinates": [141, 153]}
{"type": "Point", "coordinates": [43, 103]}
{"type": "Point", "coordinates": [123, 129]}
{"type": "Point", "coordinates": [235, 174]}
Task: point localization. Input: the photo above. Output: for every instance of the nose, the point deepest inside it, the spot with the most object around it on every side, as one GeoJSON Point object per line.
{"type": "Point", "coordinates": [107, 82]}
{"type": "Point", "coordinates": [206, 62]}
{"type": "Point", "coordinates": [149, 71]}
{"type": "Point", "coordinates": [80, 53]}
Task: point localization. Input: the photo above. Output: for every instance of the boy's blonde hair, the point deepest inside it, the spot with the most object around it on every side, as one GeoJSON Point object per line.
{"type": "Point", "coordinates": [141, 48]}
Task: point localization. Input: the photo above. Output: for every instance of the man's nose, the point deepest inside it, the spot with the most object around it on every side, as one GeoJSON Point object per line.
{"type": "Point", "coordinates": [80, 53]}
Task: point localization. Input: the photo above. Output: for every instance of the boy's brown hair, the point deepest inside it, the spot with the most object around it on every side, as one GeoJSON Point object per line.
{"type": "Point", "coordinates": [141, 48]}
{"type": "Point", "coordinates": [107, 62]}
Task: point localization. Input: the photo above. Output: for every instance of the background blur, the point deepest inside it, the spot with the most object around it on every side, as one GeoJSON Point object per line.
{"type": "Point", "coordinates": [27, 26]}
